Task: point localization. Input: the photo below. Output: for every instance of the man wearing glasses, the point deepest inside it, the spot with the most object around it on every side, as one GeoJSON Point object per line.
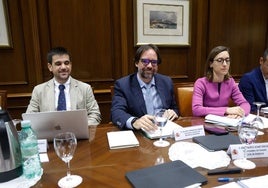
{"type": "Point", "coordinates": [138, 96]}
{"type": "Point", "coordinates": [254, 84]}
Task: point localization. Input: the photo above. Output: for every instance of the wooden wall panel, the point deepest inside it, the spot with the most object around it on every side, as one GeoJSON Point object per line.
{"type": "Point", "coordinates": [84, 27]}
{"type": "Point", "coordinates": [13, 60]}
{"type": "Point", "coordinates": [242, 26]}
{"type": "Point", "coordinates": [99, 35]}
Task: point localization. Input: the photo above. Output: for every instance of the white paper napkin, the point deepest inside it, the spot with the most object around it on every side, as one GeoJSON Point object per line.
{"type": "Point", "coordinates": [196, 156]}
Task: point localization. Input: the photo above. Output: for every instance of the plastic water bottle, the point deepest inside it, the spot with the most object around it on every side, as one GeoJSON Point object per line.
{"type": "Point", "coordinates": [29, 150]}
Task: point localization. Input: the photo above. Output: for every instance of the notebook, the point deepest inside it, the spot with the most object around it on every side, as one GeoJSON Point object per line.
{"type": "Point", "coordinates": [48, 124]}
{"type": "Point", "coordinates": [122, 139]}
{"type": "Point", "coordinates": [216, 142]}
{"type": "Point", "coordinates": [168, 131]}
{"type": "Point", "coordinates": [175, 174]}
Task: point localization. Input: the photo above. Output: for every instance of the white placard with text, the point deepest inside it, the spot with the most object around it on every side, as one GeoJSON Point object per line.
{"type": "Point", "coordinates": [257, 150]}
{"type": "Point", "coordinates": [42, 145]}
{"type": "Point", "coordinates": [189, 132]}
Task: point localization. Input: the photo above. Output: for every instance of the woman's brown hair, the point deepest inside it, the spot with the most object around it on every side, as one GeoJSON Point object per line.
{"type": "Point", "coordinates": [213, 53]}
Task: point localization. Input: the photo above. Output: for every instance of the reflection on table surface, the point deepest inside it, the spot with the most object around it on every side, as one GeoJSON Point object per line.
{"type": "Point", "coordinates": [101, 167]}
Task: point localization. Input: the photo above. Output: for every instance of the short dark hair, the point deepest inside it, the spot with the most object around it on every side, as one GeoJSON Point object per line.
{"type": "Point", "coordinates": [144, 48]}
{"type": "Point", "coordinates": [213, 53]}
{"type": "Point", "coordinates": [57, 51]}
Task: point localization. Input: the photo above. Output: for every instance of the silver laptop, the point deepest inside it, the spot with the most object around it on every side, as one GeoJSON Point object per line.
{"type": "Point", "coordinates": [48, 124]}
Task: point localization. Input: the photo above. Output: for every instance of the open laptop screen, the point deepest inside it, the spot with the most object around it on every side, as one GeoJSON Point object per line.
{"type": "Point", "coordinates": [48, 124]}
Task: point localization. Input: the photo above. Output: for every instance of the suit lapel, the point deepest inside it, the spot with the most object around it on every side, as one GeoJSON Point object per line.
{"type": "Point", "coordinates": [51, 96]}
{"type": "Point", "coordinates": [73, 94]}
{"type": "Point", "coordinates": [138, 94]}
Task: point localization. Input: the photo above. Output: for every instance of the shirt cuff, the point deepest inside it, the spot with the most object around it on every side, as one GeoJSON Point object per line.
{"type": "Point", "coordinates": [130, 121]}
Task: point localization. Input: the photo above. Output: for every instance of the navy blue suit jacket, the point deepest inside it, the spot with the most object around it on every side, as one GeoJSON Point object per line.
{"type": "Point", "coordinates": [128, 99]}
{"type": "Point", "coordinates": [252, 86]}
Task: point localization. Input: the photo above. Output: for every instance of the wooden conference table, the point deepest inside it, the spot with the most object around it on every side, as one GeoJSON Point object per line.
{"type": "Point", "coordinates": [101, 167]}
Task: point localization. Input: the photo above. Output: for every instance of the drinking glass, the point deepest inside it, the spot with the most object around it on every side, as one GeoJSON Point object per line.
{"type": "Point", "coordinates": [65, 145]}
{"type": "Point", "coordinates": [159, 160]}
{"type": "Point", "coordinates": [161, 119]}
{"type": "Point", "coordinates": [258, 121]}
{"type": "Point", "coordinates": [247, 134]}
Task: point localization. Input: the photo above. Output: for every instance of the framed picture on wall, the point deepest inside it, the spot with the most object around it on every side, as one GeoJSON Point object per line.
{"type": "Point", "coordinates": [5, 35]}
{"type": "Point", "coordinates": [162, 22]}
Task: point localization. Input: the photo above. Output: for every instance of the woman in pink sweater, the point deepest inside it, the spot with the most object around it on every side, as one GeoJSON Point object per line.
{"type": "Point", "coordinates": [212, 93]}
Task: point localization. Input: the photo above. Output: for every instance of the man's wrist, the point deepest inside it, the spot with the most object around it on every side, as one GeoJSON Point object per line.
{"type": "Point", "coordinates": [133, 121]}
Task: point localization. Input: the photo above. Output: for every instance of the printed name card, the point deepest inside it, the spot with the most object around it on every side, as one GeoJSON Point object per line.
{"type": "Point", "coordinates": [189, 132]}
{"type": "Point", "coordinates": [42, 145]}
{"type": "Point", "coordinates": [257, 150]}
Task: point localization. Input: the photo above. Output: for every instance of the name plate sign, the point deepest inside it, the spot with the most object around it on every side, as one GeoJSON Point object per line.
{"type": "Point", "coordinates": [257, 150]}
{"type": "Point", "coordinates": [42, 145]}
{"type": "Point", "coordinates": [189, 132]}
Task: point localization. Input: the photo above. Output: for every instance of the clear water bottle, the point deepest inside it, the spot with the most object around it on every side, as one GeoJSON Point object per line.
{"type": "Point", "coordinates": [29, 150]}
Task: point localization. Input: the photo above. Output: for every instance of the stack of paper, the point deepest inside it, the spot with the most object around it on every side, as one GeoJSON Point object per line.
{"type": "Point", "coordinates": [225, 121]}
{"type": "Point", "coordinates": [250, 118]}
{"type": "Point", "coordinates": [122, 139]}
{"type": "Point", "coordinates": [221, 120]}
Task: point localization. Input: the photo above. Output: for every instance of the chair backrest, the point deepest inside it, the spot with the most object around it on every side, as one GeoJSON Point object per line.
{"type": "Point", "coordinates": [184, 99]}
{"type": "Point", "coordinates": [3, 99]}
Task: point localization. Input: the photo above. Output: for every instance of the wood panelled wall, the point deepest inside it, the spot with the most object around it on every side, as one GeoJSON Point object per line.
{"type": "Point", "coordinates": [100, 36]}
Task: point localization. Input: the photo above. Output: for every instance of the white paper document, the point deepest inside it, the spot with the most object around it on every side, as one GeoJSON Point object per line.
{"type": "Point", "coordinates": [168, 131]}
{"type": "Point", "coordinates": [250, 117]}
{"type": "Point", "coordinates": [225, 121]}
{"type": "Point", "coordinates": [43, 157]}
{"type": "Point", "coordinates": [122, 139]}
{"type": "Point", "coordinates": [221, 120]}
{"type": "Point", "coordinates": [256, 182]}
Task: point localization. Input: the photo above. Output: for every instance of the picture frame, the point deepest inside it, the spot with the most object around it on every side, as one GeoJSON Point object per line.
{"type": "Point", "coordinates": [162, 22]}
{"type": "Point", "coordinates": [5, 32]}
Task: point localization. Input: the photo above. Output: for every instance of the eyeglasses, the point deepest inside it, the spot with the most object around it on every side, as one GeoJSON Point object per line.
{"type": "Point", "coordinates": [221, 60]}
{"type": "Point", "coordinates": [146, 62]}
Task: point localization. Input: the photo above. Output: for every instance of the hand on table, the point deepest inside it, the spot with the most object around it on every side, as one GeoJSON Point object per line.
{"type": "Point", "coordinates": [145, 122]}
{"type": "Point", "coordinates": [235, 112]}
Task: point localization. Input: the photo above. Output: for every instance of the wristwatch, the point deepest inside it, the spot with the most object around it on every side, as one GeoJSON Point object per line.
{"type": "Point", "coordinates": [133, 121]}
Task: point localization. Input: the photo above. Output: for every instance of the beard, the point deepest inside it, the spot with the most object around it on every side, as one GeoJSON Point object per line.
{"type": "Point", "coordinates": [147, 73]}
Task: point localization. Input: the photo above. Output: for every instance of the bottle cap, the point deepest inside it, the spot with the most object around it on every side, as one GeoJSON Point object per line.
{"type": "Point", "coordinates": [25, 123]}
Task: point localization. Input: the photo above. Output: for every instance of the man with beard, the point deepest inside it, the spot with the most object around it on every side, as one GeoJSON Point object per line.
{"type": "Point", "coordinates": [77, 95]}
{"type": "Point", "coordinates": [139, 95]}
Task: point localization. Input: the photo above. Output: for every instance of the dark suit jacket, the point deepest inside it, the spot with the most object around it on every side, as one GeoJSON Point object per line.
{"type": "Point", "coordinates": [252, 86]}
{"type": "Point", "coordinates": [128, 99]}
